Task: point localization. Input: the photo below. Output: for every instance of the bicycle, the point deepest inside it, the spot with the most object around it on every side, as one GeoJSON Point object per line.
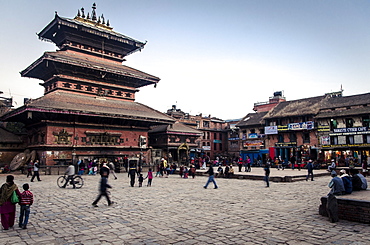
{"type": "Point", "coordinates": [79, 182]}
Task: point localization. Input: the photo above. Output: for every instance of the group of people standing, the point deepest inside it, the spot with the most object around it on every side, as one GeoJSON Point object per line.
{"type": "Point", "coordinates": [246, 163]}
{"type": "Point", "coordinates": [9, 197]}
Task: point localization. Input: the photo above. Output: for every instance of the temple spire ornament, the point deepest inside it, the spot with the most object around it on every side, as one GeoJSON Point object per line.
{"type": "Point", "coordinates": [103, 20]}
{"type": "Point", "coordinates": [93, 13]}
{"type": "Point", "coordinates": [83, 12]}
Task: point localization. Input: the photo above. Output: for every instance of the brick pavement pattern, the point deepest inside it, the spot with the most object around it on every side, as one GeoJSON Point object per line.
{"type": "Point", "coordinates": [181, 211]}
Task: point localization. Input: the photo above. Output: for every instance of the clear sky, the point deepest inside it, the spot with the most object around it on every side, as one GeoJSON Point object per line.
{"type": "Point", "coordinates": [216, 57]}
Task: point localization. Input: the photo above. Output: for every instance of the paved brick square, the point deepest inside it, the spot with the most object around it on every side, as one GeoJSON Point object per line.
{"type": "Point", "coordinates": [181, 211]}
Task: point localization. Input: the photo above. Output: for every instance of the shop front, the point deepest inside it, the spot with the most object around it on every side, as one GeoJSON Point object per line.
{"type": "Point", "coordinates": [348, 146]}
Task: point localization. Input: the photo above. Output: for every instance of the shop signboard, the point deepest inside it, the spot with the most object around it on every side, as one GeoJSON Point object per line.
{"type": "Point", "coordinates": [271, 130]}
{"type": "Point", "coordinates": [346, 145]}
{"type": "Point", "coordinates": [286, 144]}
{"type": "Point", "coordinates": [252, 143]}
{"type": "Point", "coordinates": [347, 131]}
{"type": "Point", "coordinates": [206, 148]}
{"type": "Point", "coordinates": [323, 128]}
{"type": "Point", "coordinates": [302, 125]}
{"type": "Point", "coordinates": [235, 138]}
{"type": "Point", "coordinates": [253, 136]}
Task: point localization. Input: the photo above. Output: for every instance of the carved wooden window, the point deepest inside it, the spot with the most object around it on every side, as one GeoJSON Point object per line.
{"type": "Point", "coordinates": [62, 137]}
{"type": "Point", "coordinates": [104, 138]}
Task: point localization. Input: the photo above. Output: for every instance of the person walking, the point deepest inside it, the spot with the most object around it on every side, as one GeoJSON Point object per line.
{"type": "Point", "coordinates": [36, 174]}
{"type": "Point", "coordinates": [150, 177]}
{"type": "Point", "coordinates": [26, 200]}
{"type": "Point", "coordinates": [310, 170]}
{"type": "Point", "coordinates": [103, 189]}
{"type": "Point", "coordinates": [267, 174]}
{"type": "Point", "coordinates": [211, 177]}
{"type": "Point", "coordinates": [131, 173]}
{"type": "Point", "coordinates": [141, 180]}
{"type": "Point", "coordinates": [7, 208]}
{"type": "Point", "coordinates": [29, 168]}
{"type": "Point", "coordinates": [112, 169]}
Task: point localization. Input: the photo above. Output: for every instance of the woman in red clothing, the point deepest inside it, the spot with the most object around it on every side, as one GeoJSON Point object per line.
{"type": "Point", "coordinates": [7, 208]}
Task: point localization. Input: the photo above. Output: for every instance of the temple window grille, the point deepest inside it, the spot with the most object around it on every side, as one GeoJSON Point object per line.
{"type": "Point", "coordinates": [78, 86]}
{"type": "Point", "coordinates": [67, 85]}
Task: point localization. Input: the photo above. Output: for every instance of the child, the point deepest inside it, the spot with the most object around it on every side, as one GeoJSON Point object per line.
{"type": "Point", "coordinates": [103, 189]}
{"type": "Point", "coordinates": [186, 173]}
{"type": "Point", "coordinates": [150, 177]}
{"type": "Point", "coordinates": [141, 180]}
{"type": "Point", "coordinates": [26, 200]}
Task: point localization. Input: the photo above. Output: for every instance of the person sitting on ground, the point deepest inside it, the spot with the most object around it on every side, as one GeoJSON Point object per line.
{"type": "Point", "coordinates": [220, 172]}
{"type": "Point", "coordinates": [336, 185]}
{"type": "Point", "coordinates": [226, 172]}
{"type": "Point", "coordinates": [347, 182]}
{"type": "Point", "coordinates": [332, 166]}
{"type": "Point", "coordinates": [358, 180]}
{"type": "Point", "coordinates": [231, 171]}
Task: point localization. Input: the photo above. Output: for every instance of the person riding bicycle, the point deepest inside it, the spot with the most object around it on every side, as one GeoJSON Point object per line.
{"type": "Point", "coordinates": [70, 172]}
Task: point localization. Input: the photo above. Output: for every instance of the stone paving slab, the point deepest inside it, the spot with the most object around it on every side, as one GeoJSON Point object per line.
{"type": "Point", "coordinates": [181, 211]}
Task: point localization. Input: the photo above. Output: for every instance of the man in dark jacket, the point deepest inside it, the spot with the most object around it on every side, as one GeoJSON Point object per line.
{"type": "Point", "coordinates": [132, 174]}
{"type": "Point", "coordinates": [103, 189]}
{"type": "Point", "coordinates": [310, 170]}
{"type": "Point", "coordinates": [211, 177]}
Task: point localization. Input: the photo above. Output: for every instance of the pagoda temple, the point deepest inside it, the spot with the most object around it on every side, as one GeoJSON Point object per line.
{"type": "Point", "coordinates": [88, 110]}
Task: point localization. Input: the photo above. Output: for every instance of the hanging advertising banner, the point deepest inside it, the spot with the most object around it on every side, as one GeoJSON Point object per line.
{"type": "Point", "coordinates": [271, 130]}
{"type": "Point", "coordinates": [299, 126]}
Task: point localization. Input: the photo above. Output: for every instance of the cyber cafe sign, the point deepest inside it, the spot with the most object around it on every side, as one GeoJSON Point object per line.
{"type": "Point", "coordinates": [350, 130]}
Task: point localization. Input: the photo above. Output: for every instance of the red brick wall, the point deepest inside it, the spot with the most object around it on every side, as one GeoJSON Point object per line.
{"type": "Point", "coordinates": [352, 210]}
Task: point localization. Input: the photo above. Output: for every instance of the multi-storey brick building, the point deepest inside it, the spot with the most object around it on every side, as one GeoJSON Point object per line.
{"type": "Point", "coordinates": [343, 128]}
{"type": "Point", "coordinates": [290, 129]}
{"type": "Point", "coordinates": [213, 141]}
